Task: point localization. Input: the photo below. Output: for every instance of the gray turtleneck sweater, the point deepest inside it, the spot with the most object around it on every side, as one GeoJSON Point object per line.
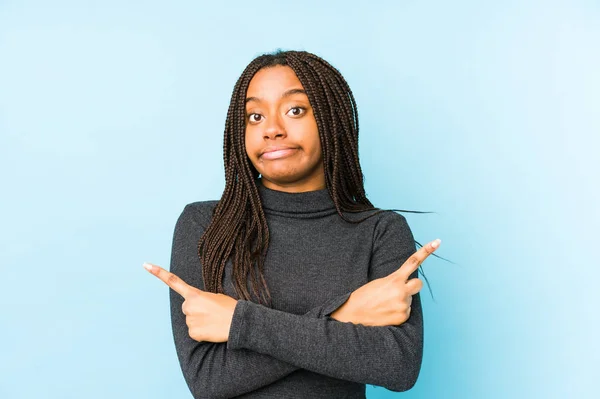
{"type": "Point", "coordinates": [295, 349]}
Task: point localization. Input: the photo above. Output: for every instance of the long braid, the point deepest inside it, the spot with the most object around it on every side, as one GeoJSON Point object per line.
{"type": "Point", "coordinates": [238, 231]}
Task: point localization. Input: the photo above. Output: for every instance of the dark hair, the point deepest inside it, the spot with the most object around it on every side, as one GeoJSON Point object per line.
{"type": "Point", "coordinates": [238, 229]}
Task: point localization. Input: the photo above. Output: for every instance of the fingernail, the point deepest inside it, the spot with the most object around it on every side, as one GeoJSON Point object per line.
{"type": "Point", "coordinates": [436, 243]}
{"type": "Point", "coordinates": [148, 266]}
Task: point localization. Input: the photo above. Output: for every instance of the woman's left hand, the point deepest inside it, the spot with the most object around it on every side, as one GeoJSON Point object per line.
{"type": "Point", "coordinates": [207, 315]}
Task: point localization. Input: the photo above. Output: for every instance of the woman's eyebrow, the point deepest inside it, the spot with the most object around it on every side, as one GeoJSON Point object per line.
{"type": "Point", "coordinates": [285, 94]}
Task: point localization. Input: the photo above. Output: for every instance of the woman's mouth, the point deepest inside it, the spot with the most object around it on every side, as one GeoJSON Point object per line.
{"type": "Point", "coordinates": [278, 153]}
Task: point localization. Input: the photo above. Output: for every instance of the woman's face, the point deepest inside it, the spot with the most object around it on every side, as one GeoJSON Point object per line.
{"type": "Point", "coordinates": [282, 139]}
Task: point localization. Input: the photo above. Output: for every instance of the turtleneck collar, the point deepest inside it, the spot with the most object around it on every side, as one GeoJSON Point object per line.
{"type": "Point", "coordinates": [307, 204]}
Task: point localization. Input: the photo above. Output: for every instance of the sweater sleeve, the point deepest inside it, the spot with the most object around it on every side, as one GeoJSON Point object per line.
{"type": "Point", "coordinates": [388, 356]}
{"type": "Point", "coordinates": [211, 370]}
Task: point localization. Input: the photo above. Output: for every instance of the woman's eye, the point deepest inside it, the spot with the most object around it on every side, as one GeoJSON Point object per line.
{"type": "Point", "coordinates": [253, 120]}
{"type": "Point", "coordinates": [296, 111]}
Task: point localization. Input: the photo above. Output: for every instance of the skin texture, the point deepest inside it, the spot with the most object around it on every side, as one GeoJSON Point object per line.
{"type": "Point", "coordinates": [276, 119]}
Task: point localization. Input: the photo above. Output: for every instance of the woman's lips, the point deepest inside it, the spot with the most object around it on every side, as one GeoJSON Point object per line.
{"type": "Point", "coordinates": [279, 153]}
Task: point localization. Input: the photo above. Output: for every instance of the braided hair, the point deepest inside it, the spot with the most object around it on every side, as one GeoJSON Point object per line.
{"type": "Point", "coordinates": [238, 229]}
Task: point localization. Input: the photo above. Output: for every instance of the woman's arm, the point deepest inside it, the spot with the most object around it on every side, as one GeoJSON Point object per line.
{"type": "Point", "coordinates": [211, 370]}
{"type": "Point", "coordinates": [388, 356]}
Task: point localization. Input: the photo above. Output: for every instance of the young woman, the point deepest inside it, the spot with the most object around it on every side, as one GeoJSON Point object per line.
{"type": "Point", "coordinates": [293, 285]}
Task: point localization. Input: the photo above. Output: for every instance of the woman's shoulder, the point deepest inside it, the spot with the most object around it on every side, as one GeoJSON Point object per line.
{"type": "Point", "coordinates": [200, 211]}
{"type": "Point", "coordinates": [202, 206]}
{"type": "Point", "coordinates": [385, 224]}
{"type": "Point", "coordinates": [378, 216]}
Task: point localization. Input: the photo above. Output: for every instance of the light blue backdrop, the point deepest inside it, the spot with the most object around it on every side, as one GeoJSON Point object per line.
{"type": "Point", "coordinates": [111, 120]}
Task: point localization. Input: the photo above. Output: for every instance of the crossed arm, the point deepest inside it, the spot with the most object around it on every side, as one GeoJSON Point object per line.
{"type": "Point", "coordinates": [279, 343]}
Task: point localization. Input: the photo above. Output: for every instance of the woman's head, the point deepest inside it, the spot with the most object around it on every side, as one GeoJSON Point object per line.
{"type": "Point", "coordinates": [281, 138]}
{"type": "Point", "coordinates": [331, 113]}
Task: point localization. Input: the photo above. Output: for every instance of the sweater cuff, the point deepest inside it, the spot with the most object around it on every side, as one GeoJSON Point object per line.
{"type": "Point", "coordinates": [333, 304]}
{"type": "Point", "coordinates": [237, 325]}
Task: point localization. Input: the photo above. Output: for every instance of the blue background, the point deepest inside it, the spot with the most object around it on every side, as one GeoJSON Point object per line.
{"type": "Point", "coordinates": [111, 120]}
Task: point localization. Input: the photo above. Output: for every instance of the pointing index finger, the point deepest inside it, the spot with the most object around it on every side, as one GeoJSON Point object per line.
{"type": "Point", "coordinates": [415, 260]}
{"type": "Point", "coordinates": [173, 281]}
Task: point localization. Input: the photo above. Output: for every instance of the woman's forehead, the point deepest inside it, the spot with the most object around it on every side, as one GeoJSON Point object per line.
{"type": "Point", "coordinates": [273, 82]}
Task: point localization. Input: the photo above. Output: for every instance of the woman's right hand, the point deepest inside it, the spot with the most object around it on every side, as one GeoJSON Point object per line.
{"type": "Point", "coordinates": [386, 301]}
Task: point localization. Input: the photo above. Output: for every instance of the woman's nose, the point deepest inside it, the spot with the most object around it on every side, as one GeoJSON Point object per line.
{"type": "Point", "coordinates": [274, 128]}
